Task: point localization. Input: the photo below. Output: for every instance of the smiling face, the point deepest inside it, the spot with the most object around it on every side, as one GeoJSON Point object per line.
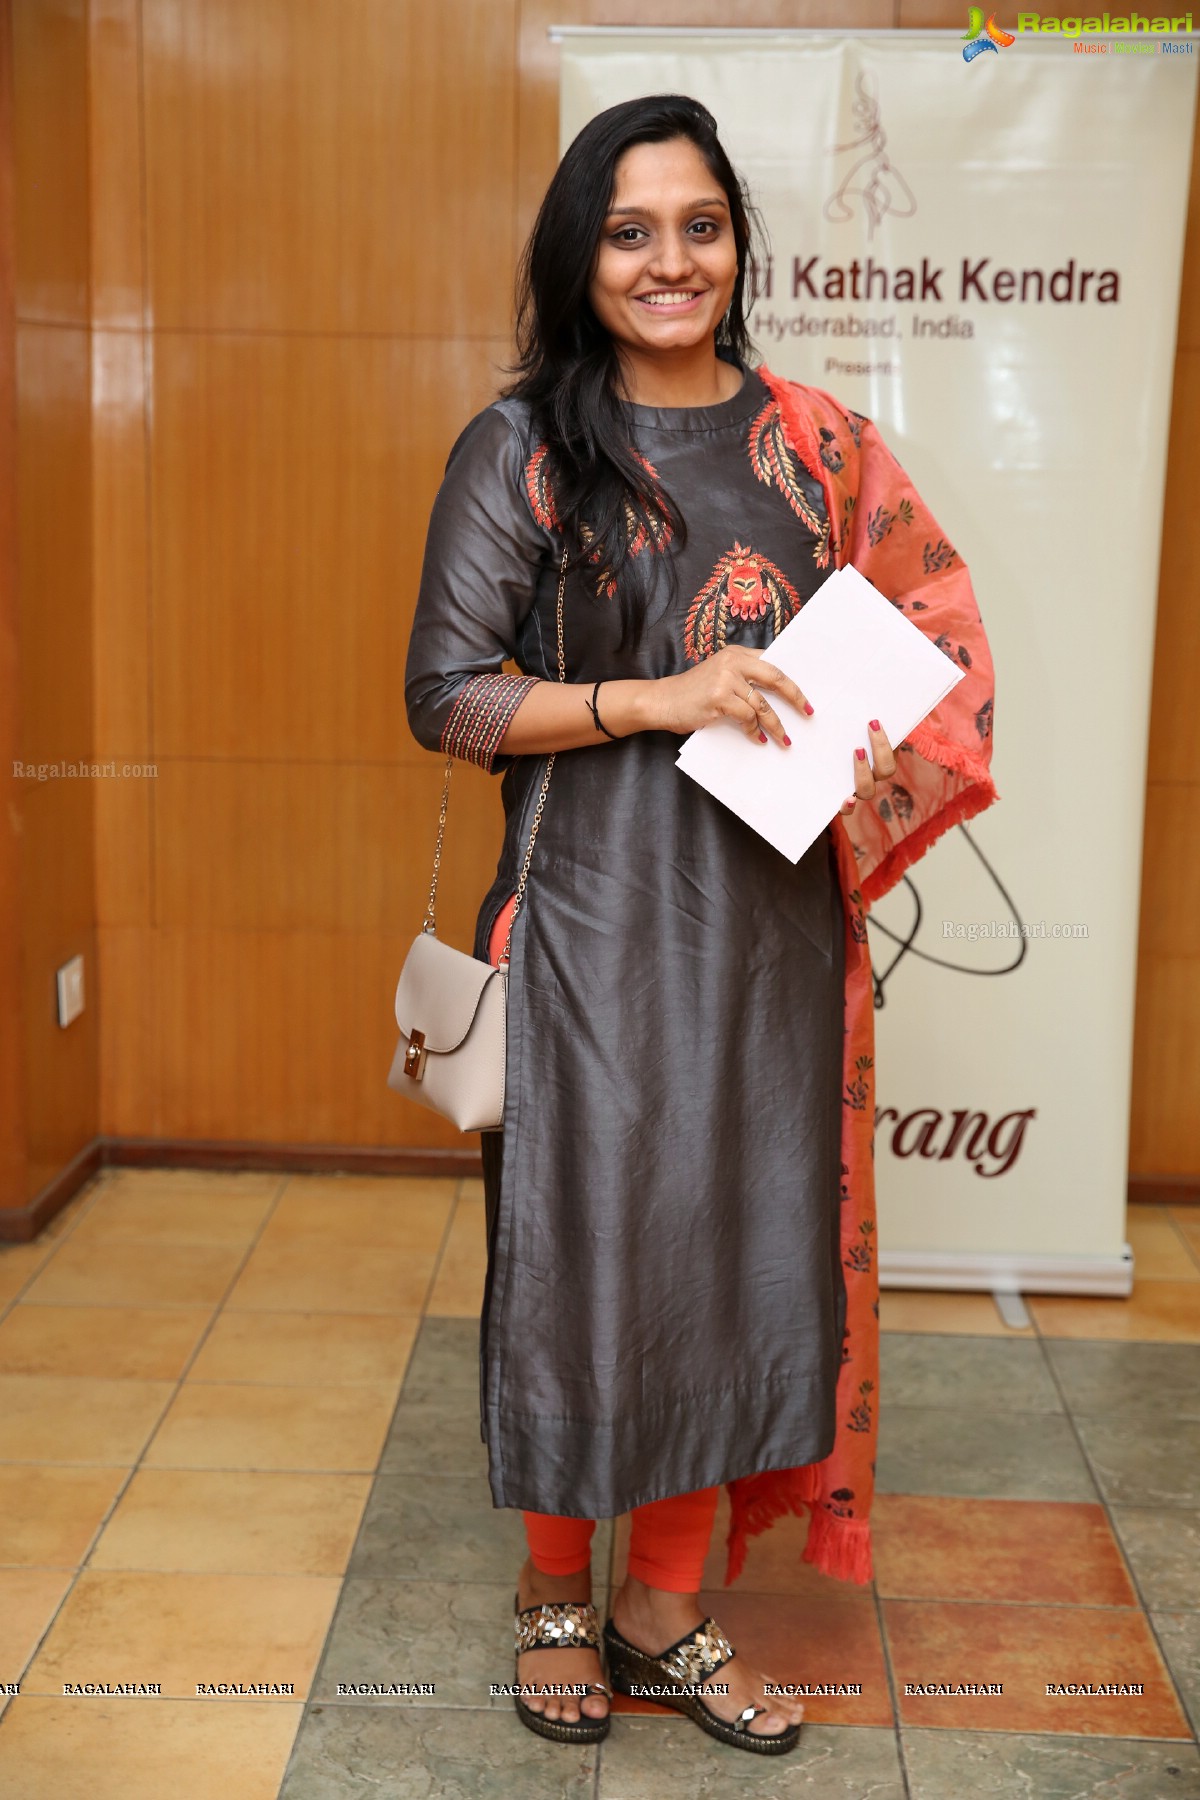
{"type": "Point", "coordinates": [666, 264]}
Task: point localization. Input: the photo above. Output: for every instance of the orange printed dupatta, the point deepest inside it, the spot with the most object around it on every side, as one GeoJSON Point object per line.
{"type": "Point", "coordinates": [880, 524]}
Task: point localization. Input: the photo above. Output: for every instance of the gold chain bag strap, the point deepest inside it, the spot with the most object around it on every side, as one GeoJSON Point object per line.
{"type": "Point", "coordinates": [452, 1008]}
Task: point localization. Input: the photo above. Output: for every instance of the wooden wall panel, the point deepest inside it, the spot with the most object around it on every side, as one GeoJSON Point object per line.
{"type": "Point", "coordinates": [13, 1073]}
{"type": "Point", "coordinates": [123, 700]}
{"type": "Point", "coordinates": [1163, 1140]}
{"type": "Point", "coordinates": [1165, 1112]}
{"type": "Point", "coordinates": [118, 278]}
{"type": "Point", "coordinates": [315, 846]}
{"type": "Point", "coordinates": [62, 1066]}
{"type": "Point", "coordinates": [276, 979]}
{"type": "Point", "coordinates": [336, 165]}
{"type": "Point", "coordinates": [1168, 918]}
{"type": "Point", "coordinates": [130, 1031]}
{"type": "Point", "coordinates": [929, 15]}
{"type": "Point", "coordinates": [1188, 337]}
{"type": "Point", "coordinates": [289, 1039]}
{"type": "Point", "coordinates": [50, 157]}
{"type": "Point", "coordinates": [56, 814]}
{"type": "Point", "coordinates": [291, 481]}
{"type": "Point", "coordinates": [54, 541]}
{"type": "Point", "coordinates": [1174, 749]}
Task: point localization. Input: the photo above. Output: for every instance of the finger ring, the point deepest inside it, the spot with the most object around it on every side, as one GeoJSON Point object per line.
{"type": "Point", "coordinates": [750, 694]}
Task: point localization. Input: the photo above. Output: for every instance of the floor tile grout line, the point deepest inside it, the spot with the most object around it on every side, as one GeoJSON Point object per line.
{"type": "Point", "coordinates": [1115, 1535]}
{"type": "Point", "coordinates": [134, 1468]}
{"type": "Point", "coordinates": [440, 1256]}
{"type": "Point", "coordinates": [889, 1671]}
{"type": "Point", "coordinates": [609, 1599]}
{"type": "Point", "coordinates": [219, 1468]}
{"type": "Point", "coordinates": [1190, 1249]}
{"type": "Point", "coordinates": [1023, 1336]}
{"type": "Point", "coordinates": [237, 1312]}
{"type": "Point", "coordinates": [1080, 1606]}
{"type": "Point", "coordinates": [1087, 1737]}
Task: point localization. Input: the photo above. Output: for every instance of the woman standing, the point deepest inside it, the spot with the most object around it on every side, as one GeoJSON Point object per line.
{"type": "Point", "coordinates": [681, 1288]}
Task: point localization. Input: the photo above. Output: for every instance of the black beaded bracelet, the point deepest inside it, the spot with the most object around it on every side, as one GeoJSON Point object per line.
{"type": "Point", "coordinates": [600, 725]}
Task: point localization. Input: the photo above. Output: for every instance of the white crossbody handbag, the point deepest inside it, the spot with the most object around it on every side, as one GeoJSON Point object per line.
{"type": "Point", "coordinates": [452, 1008]}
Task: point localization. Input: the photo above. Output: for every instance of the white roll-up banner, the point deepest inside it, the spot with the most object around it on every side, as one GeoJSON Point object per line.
{"type": "Point", "coordinates": [981, 252]}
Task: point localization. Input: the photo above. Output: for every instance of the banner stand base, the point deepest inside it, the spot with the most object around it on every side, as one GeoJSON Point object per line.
{"type": "Point", "coordinates": [1012, 1309]}
{"type": "Point", "coordinates": [1000, 1273]}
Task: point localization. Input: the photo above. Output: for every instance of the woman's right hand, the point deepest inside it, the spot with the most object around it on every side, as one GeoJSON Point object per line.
{"type": "Point", "coordinates": [732, 684]}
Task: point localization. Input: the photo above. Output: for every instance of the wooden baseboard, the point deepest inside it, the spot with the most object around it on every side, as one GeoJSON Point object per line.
{"type": "Point", "coordinates": [21, 1224]}
{"type": "Point", "coordinates": [1164, 1190]}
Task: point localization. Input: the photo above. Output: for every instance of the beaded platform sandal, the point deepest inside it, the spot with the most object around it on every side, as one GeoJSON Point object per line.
{"type": "Point", "coordinates": [677, 1672]}
{"type": "Point", "coordinates": [570, 1625]}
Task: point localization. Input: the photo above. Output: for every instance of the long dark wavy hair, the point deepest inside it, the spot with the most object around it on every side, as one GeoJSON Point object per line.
{"type": "Point", "coordinates": [567, 363]}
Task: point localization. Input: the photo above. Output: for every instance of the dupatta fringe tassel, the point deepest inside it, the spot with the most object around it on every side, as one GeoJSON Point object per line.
{"type": "Point", "coordinates": [835, 1546]}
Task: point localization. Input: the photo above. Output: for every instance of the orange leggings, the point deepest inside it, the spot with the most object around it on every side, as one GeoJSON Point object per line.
{"type": "Point", "coordinates": [668, 1539]}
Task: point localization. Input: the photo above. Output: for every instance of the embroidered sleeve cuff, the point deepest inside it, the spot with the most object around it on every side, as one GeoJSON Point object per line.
{"type": "Point", "coordinates": [480, 715]}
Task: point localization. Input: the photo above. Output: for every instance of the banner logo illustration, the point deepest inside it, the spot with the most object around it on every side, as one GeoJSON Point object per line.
{"type": "Point", "coordinates": [980, 37]}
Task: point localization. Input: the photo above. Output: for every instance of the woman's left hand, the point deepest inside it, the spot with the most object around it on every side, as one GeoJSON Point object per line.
{"type": "Point", "coordinates": [879, 765]}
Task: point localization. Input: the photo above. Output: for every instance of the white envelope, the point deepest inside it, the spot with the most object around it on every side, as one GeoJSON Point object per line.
{"type": "Point", "coordinates": [855, 657]}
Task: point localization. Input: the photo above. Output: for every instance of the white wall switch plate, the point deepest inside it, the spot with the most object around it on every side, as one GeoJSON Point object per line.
{"type": "Point", "coordinates": [70, 990]}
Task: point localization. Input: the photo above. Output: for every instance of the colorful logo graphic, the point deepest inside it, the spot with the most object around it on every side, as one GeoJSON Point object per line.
{"type": "Point", "coordinates": [981, 37]}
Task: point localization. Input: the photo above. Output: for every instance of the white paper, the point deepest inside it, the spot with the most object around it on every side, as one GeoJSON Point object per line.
{"type": "Point", "coordinates": [855, 657]}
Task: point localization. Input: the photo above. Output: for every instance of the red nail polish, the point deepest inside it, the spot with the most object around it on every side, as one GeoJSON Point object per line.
{"type": "Point", "coordinates": [762, 737]}
{"type": "Point", "coordinates": [807, 707]}
{"type": "Point", "coordinates": [874, 724]}
{"type": "Point", "coordinates": [786, 738]}
{"type": "Point", "coordinates": [861, 755]}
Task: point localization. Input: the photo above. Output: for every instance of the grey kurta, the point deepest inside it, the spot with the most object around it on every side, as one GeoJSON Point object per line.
{"type": "Point", "coordinates": [665, 1303]}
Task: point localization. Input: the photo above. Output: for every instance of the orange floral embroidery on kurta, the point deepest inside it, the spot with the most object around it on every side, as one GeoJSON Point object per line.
{"type": "Point", "coordinates": [743, 585]}
{"type": "Point", "coordinates": [773, 461]}
{"type": "Point", "coordinates": [541, 499]}
{"type": "Point", "coordinates": [537, 486]}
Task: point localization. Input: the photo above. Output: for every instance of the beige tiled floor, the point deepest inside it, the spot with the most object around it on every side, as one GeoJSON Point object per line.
{"type": "Point", "coordinates": [197, 1374]}
{"type": "Point", "coordinates": [52, 1514]}
{"type": "Point", "coordinates": [458, 1290]}
{"type": "Point", "coordinates": [242, 1522]}
{"type": "Point", "coordinates": [246, 1426]}
{"type": "Point", "coordinates": [191, 1629]}
{"type": "Point", "coordinates": [126, 1342]}
{"type": "Point", "coordinates": [1161, 1245]}
{"type": "Point", "coordinates": [61, 1418]}
{"type": "Point", "coordinates": [310, 1275]}
{"type": "Point", "coordinates": [343, 1348]}
{"type": "Point", "coordinates": [1186, 1221]}
{"type": "Point", "coordinates": [128, 1750]}
{"type": "Point", "coordinates": [135, 1272]}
